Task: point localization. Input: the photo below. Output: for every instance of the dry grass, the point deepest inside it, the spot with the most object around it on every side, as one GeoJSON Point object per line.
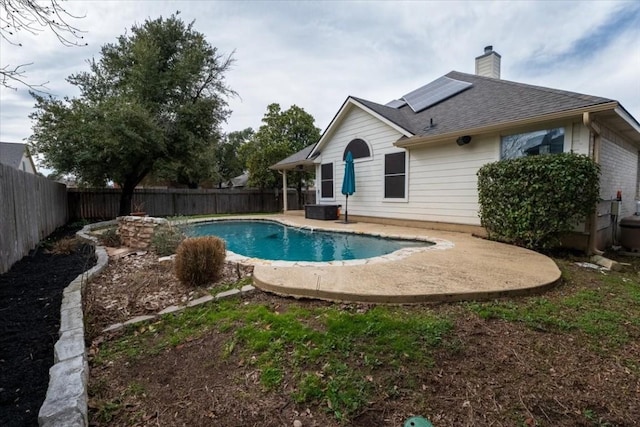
{"type": "Point", "coordinates": [199, 260]}
{"type": "Point", "coordinates": [65, 246]}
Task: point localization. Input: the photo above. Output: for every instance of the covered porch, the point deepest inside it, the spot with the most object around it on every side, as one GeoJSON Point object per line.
{"type": "Point", "coordinates": [297, 162]}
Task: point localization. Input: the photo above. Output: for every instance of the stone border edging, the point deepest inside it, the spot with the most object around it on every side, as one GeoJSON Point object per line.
{"type": "Point", "coordinates": [65, 404]}
{"type": "Point", "coordinates": [177, 308]}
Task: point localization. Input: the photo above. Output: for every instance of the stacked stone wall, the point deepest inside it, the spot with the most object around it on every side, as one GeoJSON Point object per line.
{"type": "Point", "coordinates": [136, 232]}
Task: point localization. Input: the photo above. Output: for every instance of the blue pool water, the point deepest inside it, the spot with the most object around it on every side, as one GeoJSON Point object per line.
{"type": "Point", "coordinates": [274, 241]}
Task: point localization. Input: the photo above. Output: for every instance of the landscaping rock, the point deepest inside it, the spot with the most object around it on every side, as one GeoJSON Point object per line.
{"type": "Point", "coordinates": [228, 294]}
{"type": "Point", "coordinates": [200, 300]}
{"type": "Point", "coordinates": [71, 319]}
{"type": "Point", "coordinates": [69, 345]}
{"type": "Point", "coordinates": [66, 401]}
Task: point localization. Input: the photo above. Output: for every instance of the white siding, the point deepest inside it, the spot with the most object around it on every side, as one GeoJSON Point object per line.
{"type": "Point", "coordinates": [442, 179]}
{"type": "Point", "coordinates": [369, 172]}
{"type": "Point", "coordinates": [25, 165]}
{"type": "Point", "coordinates": [443, 185]}
{"type": "Point", "coordinates": [579, 142]}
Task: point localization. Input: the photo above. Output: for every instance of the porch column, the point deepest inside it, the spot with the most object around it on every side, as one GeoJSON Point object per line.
{"type": "Point", "coordinates": [284, 191]}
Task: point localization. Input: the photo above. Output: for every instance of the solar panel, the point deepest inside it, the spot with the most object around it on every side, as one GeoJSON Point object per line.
{"type": "Point", "coordinates": [434, 92]}
{"type": "Point", "coordinates": [396, 103]}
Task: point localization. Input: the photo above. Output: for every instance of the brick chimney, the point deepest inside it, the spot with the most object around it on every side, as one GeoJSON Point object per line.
{"type": "Point", "coordinates": [488, 64]}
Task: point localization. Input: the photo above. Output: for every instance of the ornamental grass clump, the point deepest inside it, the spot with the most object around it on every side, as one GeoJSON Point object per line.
{"type": "Point", "coordinates": [167, 238]}
{"type": "Point", "coordinates": [199, 260]}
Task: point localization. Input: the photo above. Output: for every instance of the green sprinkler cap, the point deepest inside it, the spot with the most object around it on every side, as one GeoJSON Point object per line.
{"type": "Point", "coordinates": [417, 422]}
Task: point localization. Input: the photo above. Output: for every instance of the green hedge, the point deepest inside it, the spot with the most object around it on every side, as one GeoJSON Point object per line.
{"type": "Point", "coordinates": [531, 201]}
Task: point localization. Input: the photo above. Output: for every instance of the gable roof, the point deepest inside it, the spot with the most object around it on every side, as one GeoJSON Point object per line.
{"type": "Point", "coordinates": [483, 104]}
{"type": "Point", "coordinates": [11, 153]}
{"type": "Point", "coordinates": [390, 116]}
{"type": "Point", "coordinates": [487, 102]}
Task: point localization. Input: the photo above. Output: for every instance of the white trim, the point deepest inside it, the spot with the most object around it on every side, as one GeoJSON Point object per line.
{"type": "Point", "coordinates": [627, 118]}
{"type": "Point", "coordinates": [350, 102]}
{"type": "Point", "coordinates": [500, 127]}
{"type": "Point", "coordinates": [361, 159]}
{"type": "Point", "coordinates": [327, 199]}
{"type": "Point", "coordinates": [567, 146]}
{"type": "Point", "coordinates": [405, 199]}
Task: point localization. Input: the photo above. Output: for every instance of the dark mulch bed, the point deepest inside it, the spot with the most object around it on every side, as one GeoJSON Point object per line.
{"type": "Point", "coordinates": [30, 298]}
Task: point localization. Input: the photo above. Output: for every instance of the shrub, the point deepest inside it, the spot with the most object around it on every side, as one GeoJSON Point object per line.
{"type": "Point", "coordinates": [531, 201]}
{"type": "Point", "coordinates": [167, 238]}
{"type": "Point", "coordinates": [199, 260]}
{"type": "Point", "coordinates": [64, 246]}
{"type": "Point", "coordinates": [110, 237]}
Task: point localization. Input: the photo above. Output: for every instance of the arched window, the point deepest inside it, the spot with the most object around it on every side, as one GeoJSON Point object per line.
{"type": "Point", "coordinates": [358, 148]}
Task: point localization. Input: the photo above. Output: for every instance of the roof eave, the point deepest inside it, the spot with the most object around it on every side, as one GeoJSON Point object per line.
{"type": "Point", "coordinates": [624, 114]}
{"type": "Point", "coordinates": [340, 115]}
{"type": "Point", "coordinates": [421, 140]}
{"type": "Point", "coordinates": [293, 165]}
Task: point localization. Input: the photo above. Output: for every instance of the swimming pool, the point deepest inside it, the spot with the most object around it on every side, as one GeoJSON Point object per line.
{"type": "Point", "coordinates": [274, 241]}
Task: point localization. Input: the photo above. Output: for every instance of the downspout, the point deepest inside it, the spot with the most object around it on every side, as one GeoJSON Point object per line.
{"type": "Point", "coordinates": [593, 226]}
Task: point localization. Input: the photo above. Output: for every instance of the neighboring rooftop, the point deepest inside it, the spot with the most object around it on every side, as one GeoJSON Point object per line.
{"type": "Point", "coordinates": [11, 153]}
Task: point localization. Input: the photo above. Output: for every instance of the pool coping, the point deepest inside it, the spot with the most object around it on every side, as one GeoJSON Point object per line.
{"type": "Point", "coordinates": [437, 244]}
{"type": "Point", "coordinates": [465, 268]}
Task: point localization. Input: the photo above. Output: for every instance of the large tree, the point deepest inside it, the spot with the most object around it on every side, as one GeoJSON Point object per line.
{"type": "Point", "coordinates": [282, 134]}
{"type": "Point", "coordinates": [156, 96]}
{"type": "Point", "coordinates": [230, 154]}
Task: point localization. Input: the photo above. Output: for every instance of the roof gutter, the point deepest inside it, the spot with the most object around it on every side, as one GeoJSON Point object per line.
{"type": "Point", "coordinates": [292, 166]}
{"type": "Point", "coordinates": [593, 223]}
{"type": "Point", "coordinates": [628, 118]}
{"type": "Point", "coordinates": [447, 137]}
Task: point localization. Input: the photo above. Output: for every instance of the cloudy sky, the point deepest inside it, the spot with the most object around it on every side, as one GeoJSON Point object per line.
{"type": "Point", "coordinates": [315, 54]}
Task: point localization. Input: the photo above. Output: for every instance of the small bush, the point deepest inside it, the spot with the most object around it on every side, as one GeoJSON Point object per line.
{"type": "Point", "coordinates": [65, 246]}
{"type": "Point", "coordinates": [166, 239]}
{"type": "Point", "coordinates": [200, 260]}
{"type": "Point", "coordinates": [110, 237]}
{"type": "Point", "coordinates": [531, 201]}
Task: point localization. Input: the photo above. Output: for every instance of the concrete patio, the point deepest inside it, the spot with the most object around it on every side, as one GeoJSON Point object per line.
{"type": "Point", "coordinates": [460, 267]}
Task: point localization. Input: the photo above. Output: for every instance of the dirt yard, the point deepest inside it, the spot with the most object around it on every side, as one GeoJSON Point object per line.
{"type": "Point", "coordinates": [536, 361]}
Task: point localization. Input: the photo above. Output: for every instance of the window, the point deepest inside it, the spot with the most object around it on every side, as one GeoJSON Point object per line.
{"type": "Point", "coordinates": [532, 143]}
{"type": "Point", "coordinates": [394, 176]}
{"type": "Point", "coordinates": [326, 181]}
{"type": "Point", "coordinates": [359, 149]}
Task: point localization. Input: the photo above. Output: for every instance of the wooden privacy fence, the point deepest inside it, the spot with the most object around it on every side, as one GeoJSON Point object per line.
{"type": "Point", "coordinates": [103, 203]}
{"type": "Point", "coordinates": [31, 208]}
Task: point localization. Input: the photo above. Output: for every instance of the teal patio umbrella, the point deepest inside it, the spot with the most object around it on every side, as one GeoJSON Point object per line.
{"type": "Point", "coordinates": [348, 183]}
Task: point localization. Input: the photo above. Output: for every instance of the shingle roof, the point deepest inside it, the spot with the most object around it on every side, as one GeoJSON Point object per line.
{"type": "Point", "coordinates": [295, 159]}
{"type": "Point", "coordinates": [11, 153]}
{"type": "Point", "coordinates": [489, 101]}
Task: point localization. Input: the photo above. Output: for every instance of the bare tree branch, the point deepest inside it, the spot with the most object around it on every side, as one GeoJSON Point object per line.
{"type": "Point", "coordinates": [34, 17]}
{"type": "Point", "coordinates": [11, 74]}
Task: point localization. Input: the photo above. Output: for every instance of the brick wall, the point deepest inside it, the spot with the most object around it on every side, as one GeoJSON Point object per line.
{"type": "Point", "coordinates": [619, 170]}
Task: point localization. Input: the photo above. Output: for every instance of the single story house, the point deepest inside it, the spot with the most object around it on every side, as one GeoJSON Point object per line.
{"type": "Point", "coordinates": [416, 157]}
{"type": "Point", "coordinates": [17, 156]}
